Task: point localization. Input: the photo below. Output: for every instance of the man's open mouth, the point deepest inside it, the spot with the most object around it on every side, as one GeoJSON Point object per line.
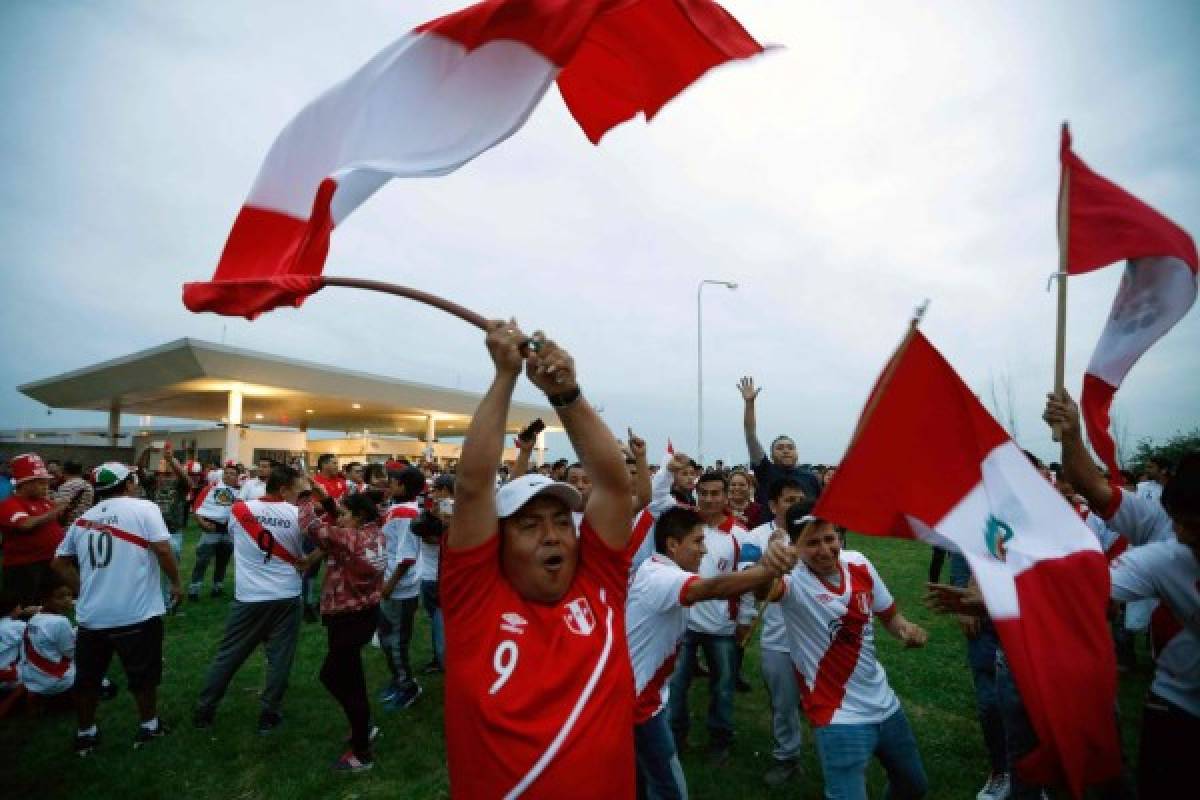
{"type": "Point", "coordinates": [553, 563]}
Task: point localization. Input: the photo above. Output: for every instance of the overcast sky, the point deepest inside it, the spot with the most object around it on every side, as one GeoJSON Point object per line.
{"type": "Point", "coordinates": [888, 153]}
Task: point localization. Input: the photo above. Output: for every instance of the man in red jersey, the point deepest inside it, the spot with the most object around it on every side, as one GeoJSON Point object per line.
{"type": "Point", "coordinates": [539, 689]}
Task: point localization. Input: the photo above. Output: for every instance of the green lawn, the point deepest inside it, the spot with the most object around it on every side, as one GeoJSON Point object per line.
{"type": "Point", "coordinates": [232, 761]}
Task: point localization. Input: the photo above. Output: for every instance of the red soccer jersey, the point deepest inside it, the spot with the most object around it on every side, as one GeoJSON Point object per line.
{"type": "Point", "coordinates": [335, 487]}
{"type": "Point", "coordinates": [539, 698]}
{"type": "Point", "coordinates": [31, 546]}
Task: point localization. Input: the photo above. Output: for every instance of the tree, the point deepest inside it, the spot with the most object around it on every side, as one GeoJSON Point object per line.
{"type": "Point", "coordinates": [1172, 449]}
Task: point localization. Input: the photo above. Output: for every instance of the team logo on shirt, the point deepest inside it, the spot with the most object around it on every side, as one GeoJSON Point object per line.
{"type": "Point", "coordinates": [513, 622]}
{"type": "Point", "coordinates": [841, 634]}
{"type": "Point", "coordinates": [722, 564]}
{"type": "Point", "coordinates": [579, 617]}
{"type": "Point", "coordinates": [996, 535]}
{"type": "Point", "coordinates": [224, 496]}
{"type": "Point", "coordinates": [863, 601]}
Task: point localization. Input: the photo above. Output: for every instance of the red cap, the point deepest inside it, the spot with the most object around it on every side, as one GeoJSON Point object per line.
{"type": "Point", "coordinates": [231, 464]}
{"type": "Point", "coordinates": [28, 467]}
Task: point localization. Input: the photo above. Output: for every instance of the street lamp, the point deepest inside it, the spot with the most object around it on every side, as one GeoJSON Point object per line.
{"type": "Point", "coordinates": [700, 364]}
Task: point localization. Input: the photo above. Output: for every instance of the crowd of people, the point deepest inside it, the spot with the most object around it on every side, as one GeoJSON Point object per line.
{"type": "Point", "coordinates": [571, 605]}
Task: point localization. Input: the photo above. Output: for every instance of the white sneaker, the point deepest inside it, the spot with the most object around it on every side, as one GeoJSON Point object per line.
{"type": "Point", "coordinates": [996, 788]}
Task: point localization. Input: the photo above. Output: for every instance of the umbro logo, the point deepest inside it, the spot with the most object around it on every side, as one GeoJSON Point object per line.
{"type": "Point", "coordinates": [513, 622]}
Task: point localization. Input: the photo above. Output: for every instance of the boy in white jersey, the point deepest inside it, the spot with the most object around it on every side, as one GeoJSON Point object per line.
{"type": "Point", "coordinates": [12, 632]}
{"type": "Point", "coordinates": [713, 625]}
{"type": "Point", "coordinates": [401, 586]}
{"type": "Point", "coordinates": [211, 506]}
{"type": "Point", "coordinates": [775, 656]}
{"type": "Point", "coordinates": [828, 602]}
{"type": "Point", "coordinates": [656, 612]}
{"type": "Point", "coordinates": [111, 559]}
{"type": "Point", "coordinates": [267, 544]}
{"type": "Point", "coordinates": [48, 644]}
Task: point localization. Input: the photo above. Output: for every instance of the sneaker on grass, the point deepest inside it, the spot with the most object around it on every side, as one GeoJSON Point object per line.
{"type": "Point", "coordinates": [996, 788]}
{"type": "Point", "coordinates": [85, 743]}
{"type": "Point", "coordinates": [349, 762]}
{"type": "Point", "coordinates": [145, 735]}
{"type": "Point", "coordinates": [405, 698]}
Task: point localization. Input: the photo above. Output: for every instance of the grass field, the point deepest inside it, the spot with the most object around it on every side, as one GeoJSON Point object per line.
{"type": "Point", "coordinates": [232, 761]}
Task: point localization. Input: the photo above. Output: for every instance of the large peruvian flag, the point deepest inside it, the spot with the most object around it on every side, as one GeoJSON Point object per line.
{"type": "Point", "coordinates": [437, 98]}
{"type": "Point", "coordinates": [929, 462]}
{"type": "Point", "coordinates": [1106, 224]}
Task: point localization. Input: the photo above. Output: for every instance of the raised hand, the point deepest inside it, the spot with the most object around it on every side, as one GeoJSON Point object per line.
{"type": "Point", "coordinates": [550, 367]}
{"type": "Point", "coordinates": [780, 557]}
{"type": "Point", "coordinates": [637, 445]}
{"type": "Point", "coordinates": [748, 390]}
{"type": "Point", "coordinates": [504, 340]}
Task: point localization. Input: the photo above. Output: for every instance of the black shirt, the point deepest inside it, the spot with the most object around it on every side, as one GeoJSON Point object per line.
{"type": "Point", "coordinates": [766, 472]}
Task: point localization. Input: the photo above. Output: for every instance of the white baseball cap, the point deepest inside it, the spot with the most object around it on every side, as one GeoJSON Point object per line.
{"type": "Point", "coordinates": [109, 474]}
{"type": "Point", "coordinates": [512, 496]}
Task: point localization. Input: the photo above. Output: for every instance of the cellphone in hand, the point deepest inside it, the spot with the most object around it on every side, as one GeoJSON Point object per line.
{"type": "Point", "coordinates": [529, 432]}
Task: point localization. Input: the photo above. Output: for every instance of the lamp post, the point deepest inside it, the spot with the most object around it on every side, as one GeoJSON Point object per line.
{"type": "Point", "coordinates": [700, 363]}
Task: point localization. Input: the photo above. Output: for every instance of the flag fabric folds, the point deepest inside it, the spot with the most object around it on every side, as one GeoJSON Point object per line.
{"type": "Point", "coordinates": [437, 98]}
{"type": "Point", "coordinates": [1106, 224]}
{"type": "Point", "coordinates": [929, 462]}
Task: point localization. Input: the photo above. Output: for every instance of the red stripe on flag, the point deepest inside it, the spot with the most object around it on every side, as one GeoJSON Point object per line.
{"type": "Point", "coordinates": [1108, 224]}
{"type": "Point", "coordinates": [1094, 404]}
{"type": "Point", "coordinates": [1059, 598]}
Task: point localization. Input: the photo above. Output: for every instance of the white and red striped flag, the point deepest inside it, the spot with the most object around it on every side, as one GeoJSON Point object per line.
{"type": "Point", "coordinates": [437, 98]}
{"type": "Point", "coordinates": [1040, 569]}
{"type": "Point", "coordinates": [1106, 224]}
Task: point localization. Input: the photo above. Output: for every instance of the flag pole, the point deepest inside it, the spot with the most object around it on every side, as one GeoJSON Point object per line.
{"type": "Point", "coordinates": [1060, 335]}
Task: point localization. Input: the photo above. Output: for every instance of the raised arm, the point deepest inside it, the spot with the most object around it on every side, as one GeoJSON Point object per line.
{"type": "Point", "coordinates": [475, 483]}
{"type": "Point", "coordinates": [610, 507]}
{"type": "Point", "coordinates": [642, 490]}
{"type": "Point", "coordinates": [750, 420]}
{"type": "Point", "coordinates": [1078, 468]}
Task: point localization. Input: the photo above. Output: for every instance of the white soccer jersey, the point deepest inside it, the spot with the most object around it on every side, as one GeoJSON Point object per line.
{"type": "Point", "coordinates": [118, 573]}
{"type": "Point", "coordinates": [655, 620]}
{"type": "Point", "coordinates": [832, 642]}
{"type": "Point", "coordinates": [267, 542]}
{"type": "Point", "coordinates": [48, 654]}
{"type": "Point", "coordinates": [403, 547]}
{"type": "Point", "coordinates": [719, 617]}
{"type": "Point", "coordinates": [1150, 490]}
{"type": "Point", "coordinates": [430, 553]}
{"type": "Point", "coordinates": [253, 489]}
{"type": "Point", "coordinates": [774, 633]}
{"type": "Point", "coordinates": [11, 633]}
{"type": "Point", "coordinates": [1169, 571]}
{"type": "Point", "coordinates": [1139, 520]}
{"type": "Point", "coordinates": [214, 502]}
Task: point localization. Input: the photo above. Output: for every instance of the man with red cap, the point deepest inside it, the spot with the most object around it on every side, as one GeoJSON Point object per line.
{"type": "Point", "coordinates": [30, 527]}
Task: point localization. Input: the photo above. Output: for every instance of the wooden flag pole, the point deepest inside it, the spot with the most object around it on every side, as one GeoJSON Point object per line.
{"type": "Point", "coordinates": [1060, 336]}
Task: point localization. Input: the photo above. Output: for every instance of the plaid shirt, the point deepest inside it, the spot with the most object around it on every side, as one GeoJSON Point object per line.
{"type": "Point", "coordinates": [354, 566]}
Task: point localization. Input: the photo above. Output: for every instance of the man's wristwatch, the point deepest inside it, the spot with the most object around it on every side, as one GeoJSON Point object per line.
{"type": "Point", "coordinates": [565, 398]}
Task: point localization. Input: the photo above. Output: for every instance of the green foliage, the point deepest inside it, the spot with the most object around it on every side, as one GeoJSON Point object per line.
{"type": "Point", "coordinates": [231, 762]}
{"type": "Point", "coordinates": [1172, 448]}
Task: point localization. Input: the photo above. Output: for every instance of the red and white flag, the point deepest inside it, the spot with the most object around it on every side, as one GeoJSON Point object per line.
{"type": "Point", "coordinates": [437, 98]}
{"type": "Point", "coordinates": [1106, 224]}
{"type": "Point", "coordinates": [1040, 569]}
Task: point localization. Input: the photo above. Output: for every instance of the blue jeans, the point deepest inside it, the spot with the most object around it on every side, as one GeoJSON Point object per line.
{"type": "Point", "coordinates": [981, 655]}
{"type": "Point", "coordinates": [659, 775]}
{"type": "Point", "coordinates": [718, 654]}
{"type": "Point", "coordinates": [429, 600]}
{"type": "Point", "coordinates": [844, 751]}
{"type": "Point", "coordinates": [1020, 738]}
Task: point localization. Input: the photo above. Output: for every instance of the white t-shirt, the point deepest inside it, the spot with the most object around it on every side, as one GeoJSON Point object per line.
{"type": "Point", "coordinates": [1150, 490]}
{"type": "Point", "coordinates": [720, 617]}
{"type": "Point", "coordinates": [253, 489]}
{"type": "Point", "coordinates": [774, 633]}
{"type": "Point", "coordinates": [53, 640]}
{"type": "Point", "coordinates": [11, 633]}
{"type": "Point", "coordinates": [403, 547]}
{"type": "Point", "coordinates": [118, 572]}
{"type": "Point", "coordinates": [832, 643]}
{"type": "Point", "coordinates": [214, 501]}
{"type": "Point", "coordinates": [655, 621]}
{"type": "Point", "coordinates": [1170, 572]}
{"type": "Point", "coordinates": [257, 576]}
{"type": "Point", "coordinates": [430, 553]}
{"type": "Point", "coordinates": [1141, 521]}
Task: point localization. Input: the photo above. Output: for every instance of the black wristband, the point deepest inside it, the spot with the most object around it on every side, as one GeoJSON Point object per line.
{"type": "Point", "coordinates": [564, 399]}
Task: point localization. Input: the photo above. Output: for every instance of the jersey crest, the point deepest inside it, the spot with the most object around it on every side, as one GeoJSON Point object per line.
{"type": "Point", "coordinates": [579, 617]}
